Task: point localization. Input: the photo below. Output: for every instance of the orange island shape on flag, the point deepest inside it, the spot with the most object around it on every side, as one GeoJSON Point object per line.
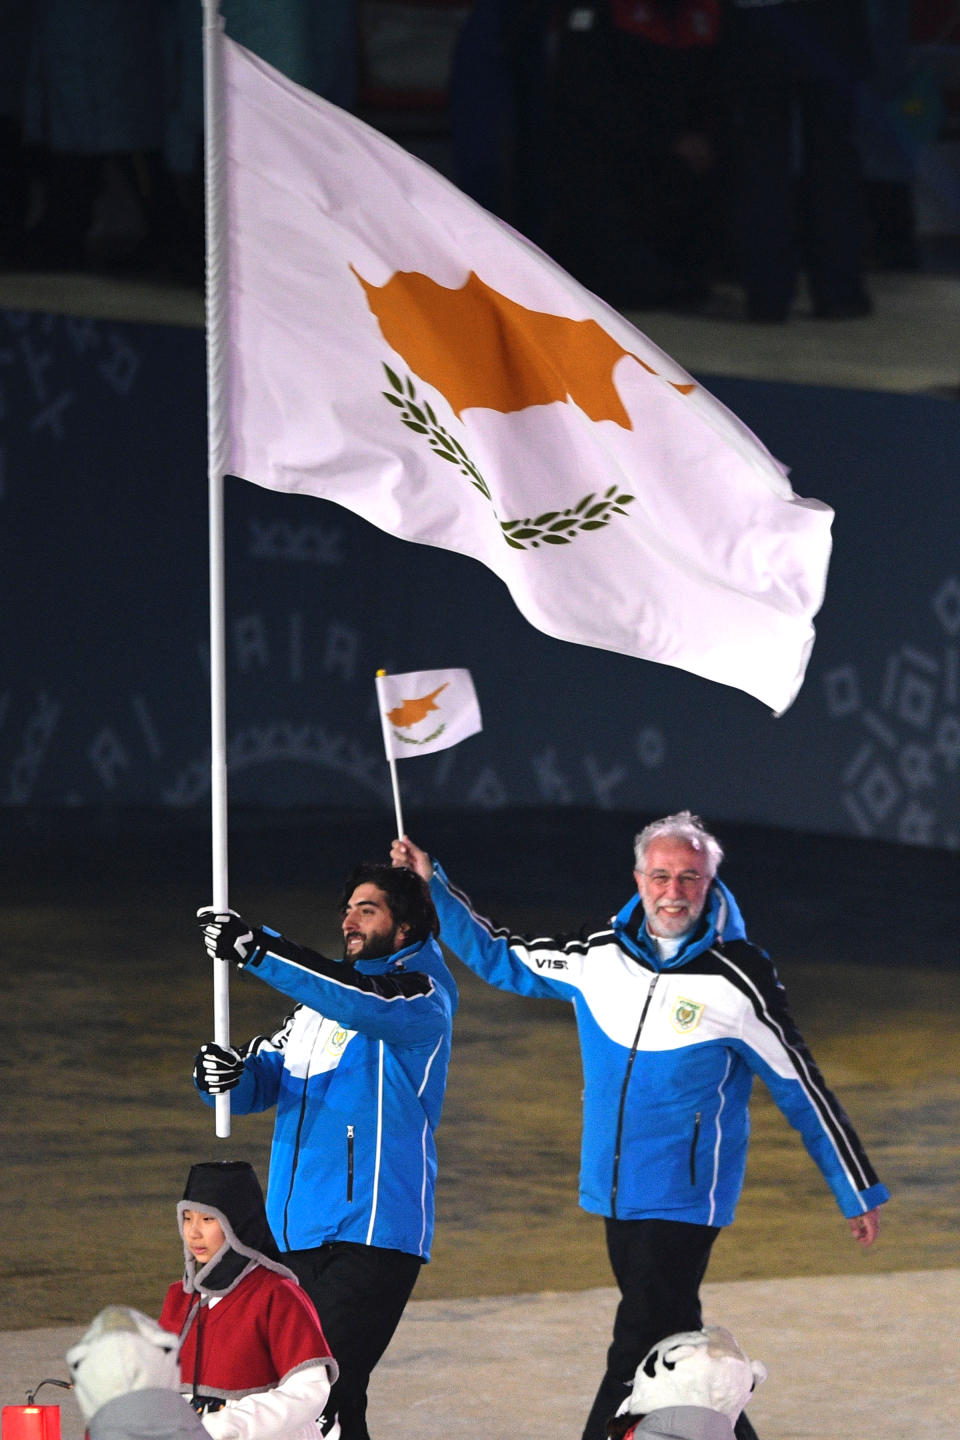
{"type": "Point", "coordinates": [411, 712]}
{"type": "Point", "coordinates": [478, 348]}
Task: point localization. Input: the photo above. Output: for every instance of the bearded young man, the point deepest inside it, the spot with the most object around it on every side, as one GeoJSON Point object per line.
{"type": "Point", "coordinates": [676, 1013]}
{"type": "Point", "coordinates": [357, 1074]}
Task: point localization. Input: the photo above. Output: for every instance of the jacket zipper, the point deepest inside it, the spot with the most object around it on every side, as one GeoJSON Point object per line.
{"type": "Point", "coordinates": [623, 1098]}
{"type": "Point", "coordinates": [693, 1149]}
{"type": "Point", "coordinates": [349, 1163]}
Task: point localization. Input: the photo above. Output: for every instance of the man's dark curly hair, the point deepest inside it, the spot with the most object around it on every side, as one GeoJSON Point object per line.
{"type": "Point", "coordinates": [408, 897]}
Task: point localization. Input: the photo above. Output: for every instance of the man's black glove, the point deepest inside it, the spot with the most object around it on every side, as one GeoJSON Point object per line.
{"type": "Point", "coordinates": [217, 1068]}
{"type": "Point", "coordinates": [225, 935]}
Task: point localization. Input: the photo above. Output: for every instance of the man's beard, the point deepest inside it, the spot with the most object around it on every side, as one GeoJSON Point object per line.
{"type": "Point", "coordinates": [378, 947]}
{"type": "Point", "coordinates": [673, 927]}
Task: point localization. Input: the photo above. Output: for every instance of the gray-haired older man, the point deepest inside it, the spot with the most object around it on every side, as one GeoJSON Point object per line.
{"type": "Point", "coordinates": [676, 1013]}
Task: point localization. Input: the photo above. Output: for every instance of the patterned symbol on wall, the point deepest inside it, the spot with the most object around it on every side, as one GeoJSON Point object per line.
{"type": "Point", "coordinates": [902, 780]}
{"type": "Point", "coordinates": [50, 365]}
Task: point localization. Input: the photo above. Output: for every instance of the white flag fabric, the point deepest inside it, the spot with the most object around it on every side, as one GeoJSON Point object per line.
{"type": "Point", "coordinates": [426, 710]}
{"type": "Point", "coordinates": [395, 349]}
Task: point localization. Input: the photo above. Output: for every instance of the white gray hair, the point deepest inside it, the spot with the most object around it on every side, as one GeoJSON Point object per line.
{"type": "Point", "coordinates": [683, 826]}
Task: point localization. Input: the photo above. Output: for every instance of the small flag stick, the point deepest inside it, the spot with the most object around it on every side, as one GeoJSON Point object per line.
{"type": "Point", "coordinates": [391, 758]}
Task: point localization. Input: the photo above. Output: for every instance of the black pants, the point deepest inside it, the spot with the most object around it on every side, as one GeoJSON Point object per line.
{"type": "Point", "coordinates": [629, 217]}
{"type": "Point", "coordinates": [795, 74]}
{"type": "Point", "coordinates": [360, 1293]}
{"type": "Point", "coordinates": [658, 1265]}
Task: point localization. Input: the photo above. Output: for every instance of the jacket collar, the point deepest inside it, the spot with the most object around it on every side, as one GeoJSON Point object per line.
{"type": "Point", "coordinates": [425, 956]}
{"type": "Point", "coordinates": [721, 921]}
{"type": "Point", "coordinates": [386, 963]}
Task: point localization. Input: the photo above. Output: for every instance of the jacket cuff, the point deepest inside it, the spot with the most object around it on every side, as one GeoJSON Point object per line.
{"type": "Point", "coordinates": [869, 1200]}
{"type": "Point", "coordinates": [260, 947]}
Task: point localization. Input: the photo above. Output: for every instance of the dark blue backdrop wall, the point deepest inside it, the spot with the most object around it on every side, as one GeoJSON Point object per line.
{"type": "Point", "coordinates": [103, 695]}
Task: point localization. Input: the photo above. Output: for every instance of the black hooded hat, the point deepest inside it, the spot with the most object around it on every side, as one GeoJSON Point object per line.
{"type": "Point", "coordinates": [229, 1190]}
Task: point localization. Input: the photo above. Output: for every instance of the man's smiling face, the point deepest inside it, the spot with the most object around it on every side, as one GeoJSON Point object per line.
{"type": "Point", "coordinates": [369, 929]}
{"type": "Point", "coordinates": [673, 887]}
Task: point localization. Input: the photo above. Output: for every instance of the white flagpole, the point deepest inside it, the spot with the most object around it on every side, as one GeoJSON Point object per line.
{"type": "Point", "coordinates": [215, 200]}
{"type": "Point", "coordinates": [391, 758]}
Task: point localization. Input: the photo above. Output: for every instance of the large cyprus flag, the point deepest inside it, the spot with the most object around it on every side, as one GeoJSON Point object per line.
{"type": "Point", "coordinates": [395, 349]}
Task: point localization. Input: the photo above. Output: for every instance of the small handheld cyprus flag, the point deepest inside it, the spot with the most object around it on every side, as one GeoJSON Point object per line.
{"type": "Point", "coordinates": [424, 711]}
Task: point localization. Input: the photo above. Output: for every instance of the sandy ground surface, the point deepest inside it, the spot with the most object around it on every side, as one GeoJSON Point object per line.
{"type": "Point", "coordinates": [842, 1353]}
{"type": "Point", "coordinates": [105, 996]}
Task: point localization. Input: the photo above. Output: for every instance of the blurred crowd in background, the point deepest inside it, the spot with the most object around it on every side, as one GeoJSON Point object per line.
{"type": "Point", "coordinates": [658, 149]}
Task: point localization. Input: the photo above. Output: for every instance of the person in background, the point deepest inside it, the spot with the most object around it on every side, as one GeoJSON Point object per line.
{"type": "Point", "coordinates": [690, 1386]}
{"type": "Point", "coordinates": [637, 189]}
{"type": "Point", "coordinates": [126, 1380]}
{"type": "Point", "coordinates": [795, 70]}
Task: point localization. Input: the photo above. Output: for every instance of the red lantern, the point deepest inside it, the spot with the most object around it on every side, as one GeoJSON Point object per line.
{"type": "Point", "coordinates": [33, 1422]}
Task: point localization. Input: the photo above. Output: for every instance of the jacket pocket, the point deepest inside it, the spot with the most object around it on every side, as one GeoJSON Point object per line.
{"type": "Point", "coordinates": [349, 1163]}
{"type": "Point", "coordinates": [693, 1148]}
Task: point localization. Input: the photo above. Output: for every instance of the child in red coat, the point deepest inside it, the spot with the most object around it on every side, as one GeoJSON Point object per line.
{"type": "Point", "coordinates": [253, 1359]}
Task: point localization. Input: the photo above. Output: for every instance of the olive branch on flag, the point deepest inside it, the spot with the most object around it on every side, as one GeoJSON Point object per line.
{"type": "Point", "coordinates": [553, 527]}
{"type": "Point", "coordinates": [427, 739]}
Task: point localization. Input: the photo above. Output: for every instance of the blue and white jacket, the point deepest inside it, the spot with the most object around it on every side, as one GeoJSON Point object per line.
{"type": "Point", "coordinates": [669, 1051]}
{"type": "Point", "coordinates": [357, 1074]}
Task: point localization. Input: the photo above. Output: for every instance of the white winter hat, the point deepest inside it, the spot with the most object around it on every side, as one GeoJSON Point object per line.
{"type": "Point", "coordinates": [696, 1367]}
{"type": "Point", "coordinates": [122, 1350]}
